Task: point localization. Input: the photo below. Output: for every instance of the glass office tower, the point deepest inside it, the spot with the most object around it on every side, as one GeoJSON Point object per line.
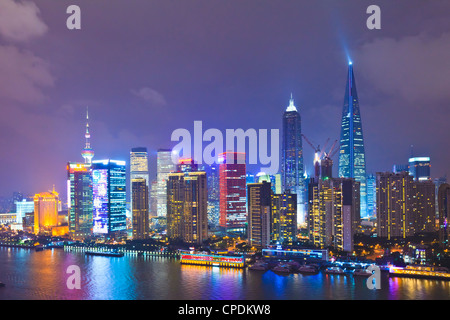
{"type": "Point", "coordinates": [109, 194]}
{"type": "Point", "coordinates": [352, 159]}
{"type": "Point", "coordinates": [292, 171]}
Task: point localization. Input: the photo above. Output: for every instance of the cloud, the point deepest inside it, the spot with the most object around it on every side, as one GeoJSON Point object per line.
{"type": "Point", "coordinates": [413, 68]}
{"type": "Point", "coordinates": [23, 75]}
{"type": "Point", "coordinates": [151, 96]}
{"type": "Point", "coordinates": [20, 21]}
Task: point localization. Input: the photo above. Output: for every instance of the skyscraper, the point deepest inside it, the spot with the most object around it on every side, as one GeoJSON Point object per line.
{"type": "Point", "coordinates": [109, 194]}
{"type": "Point", "coordinates": [419, 168]}
{"type": "Point", "coordinates": [80, 200]}
{"type": "Point", "coordinates": [292, 171]}
{"type": "Point", "coordinates": [352, 160]}
{"type": "Point", "coordinates": [259, 214]}
{"type": "Point", "coordinates": [284, 218]}
{"type": "Point", "coordinates": [46, 206]}
{"type": "Point", "coordinates": [394, 205]}
{"type": "Point", "coordinates": [212, 174]}
{"type": "Point", "coordinates": [164, 166]}
{"type": "Point", "coordinates": [140, 216]}
{"type": "Point", "coordinates": [232, 180]}
{"type": "Point", "coordinates": [138, 169]}
{"type": "Point", "coordinates": [187, 205]}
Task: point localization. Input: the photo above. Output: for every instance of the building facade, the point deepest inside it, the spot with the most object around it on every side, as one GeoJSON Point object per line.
{"type": "Point", "coordinates": [259, 214]}
{"type": "Point", "coordinates": [109, 197]}
{"type": "Point", "coordinates": [46, 207]}
{"type": "Point", "coordinates": [352, 158]}
{"type": "Point", "coordinates": [164, 167]}
{"type": "Point", "coordinates": [187, 206]}
{"type": "Point", "coordinates": [140, 208]}
{"type": "Point", "coordinates": [232, 184]}
{"type": "Point", "coordinates": [292, 170]}
{"type": "Point", "coordinates": [284, 219]}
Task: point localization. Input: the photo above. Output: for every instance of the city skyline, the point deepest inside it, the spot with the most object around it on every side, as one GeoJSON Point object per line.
{"type": "Point", "coordinates": [45, 121]}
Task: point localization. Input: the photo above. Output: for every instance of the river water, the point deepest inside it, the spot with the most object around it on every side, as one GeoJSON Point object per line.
{"type": "Point", "coordinates": [31, 275]}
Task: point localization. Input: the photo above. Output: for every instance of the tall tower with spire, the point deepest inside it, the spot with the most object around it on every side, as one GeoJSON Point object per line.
{"type": "Point", "coordinates": [87, 152]}
{"type": "Point", "coordinates": [352, 158]}
{"type": "Point", "coordinates": [292, 158]}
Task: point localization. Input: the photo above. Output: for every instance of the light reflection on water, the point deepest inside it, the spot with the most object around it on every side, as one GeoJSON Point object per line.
{"type": "Point", "coordinates": [42, 275]}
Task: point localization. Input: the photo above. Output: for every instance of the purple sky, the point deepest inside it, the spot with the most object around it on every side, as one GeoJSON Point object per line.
{"type": "Point", "coordinates": [148, 67]}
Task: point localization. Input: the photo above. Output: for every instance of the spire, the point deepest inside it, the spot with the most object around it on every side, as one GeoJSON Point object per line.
{"type": "Point", "coordinates": [87, 152]}
{"type": "Point", "coordinates": [291, 106]}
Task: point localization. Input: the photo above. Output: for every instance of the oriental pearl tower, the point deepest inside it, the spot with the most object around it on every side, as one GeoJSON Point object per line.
{"type": "Point", "coordinates": [87, 152]}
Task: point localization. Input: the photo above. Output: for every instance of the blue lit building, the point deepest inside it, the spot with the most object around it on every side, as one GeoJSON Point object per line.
{"type": "Point", "coordinates": [352, 159]}
{"type": "Point", "coordinates": [419, 168]}
{"type": "Point", "coordinates": [109, 194]}
{"type": "Point", "coordinates": [292, 169]}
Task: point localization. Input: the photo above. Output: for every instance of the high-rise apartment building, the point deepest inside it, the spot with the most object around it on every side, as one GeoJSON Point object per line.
{"type": "Point", "coordinates": [138, 169]}
{"type": "Point", "coordinates": [187, 206]}
{"type": "Point", "coordinates": [259, 214]}
{"type": "Point", "coordinates": [284, 218]}
{"type": "Point", "coordinates": [352, 159]}
{"type": "Point", "coordinates": [140, 205]}
{"type": "Point", "coordinates": [333, 215]}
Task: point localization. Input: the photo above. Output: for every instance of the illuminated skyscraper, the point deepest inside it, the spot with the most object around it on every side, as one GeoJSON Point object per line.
{"type": "Point", "coordinates": [164, 166]}
{"type": "Point", "coordinates": [292, 171]}
{"type": "Point", "coordinates": [259, 214]}
{"type": "Point", "coordinates": [140, 216]}
{"type": "Point", "coordinates": [187, 205]}
{"type": "Point", "coordinates": [352, 161]}
{"type": "Point", "coordinates": [284, 219]}
{"type": "Point", "coordinates": [333, 212]}
{"type": "Point", "coordinates": [109, 194]}
{"type": "Point", "coordinates": [419, 168]}
{"type": "Point", "coordinates": [212, 174]}
{"type": "Point", "coordinates": [80, 200]}
{"type": "Point", "coordinates": [138, 169]}
{"type": "Point", "coordinates": [394, 205]}
{"type": "Point", "coordinates": [46, 206]}
{"type": "Point", "coordinates": [232, 179]}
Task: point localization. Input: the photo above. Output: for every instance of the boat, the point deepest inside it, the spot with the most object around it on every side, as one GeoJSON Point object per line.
{"type": "Point", "coordinates": [362, 273]}
{"type": "Point", "coordinates": [334, 270]}
{"type": "Point", "coordinates": [260, 266]}
{"type": "Point", "coordinates": [418, 271]}
{"type": "Point", "coordinates": [307, 269]}
{"type": "Point", "coordinates": [282, 268]}
{"type": "Point", "coordinates": [105, 253]}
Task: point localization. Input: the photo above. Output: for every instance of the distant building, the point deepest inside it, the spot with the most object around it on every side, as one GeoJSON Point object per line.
{"type": "Point", "coordinates": [424, 212]}
{"type": "Point", "coordinates": [420, 168]}
{"type": "Point", "coordinates": [274, 179]}
{"type": "Point", "coordinates": [212, 175]}
{"type": "Point", "coordinates": [371, 196]}
{"type": "Point", "coordinates": [232, 180]}
{"type": "Point", "coordinates": [164, 167]}
{"type": "Point", "coordinates": [139, 169]}
{"type": "Point", "coordinates": [259, 214]}
{"type": "Point", "coordinates": [46, 207]}
{"type": "Point", "coordinates": [22, 208]}
{"type": "Point", "coordinates": [444, 211]}
{"type": "Point", "coordinates": [140, 215]}
{"type": "Point", "coordinates": [398, 168]}
{"type": "Point", "coordinates": [187, 202]}
{"type": "Point", "coordinates": [109, 197]}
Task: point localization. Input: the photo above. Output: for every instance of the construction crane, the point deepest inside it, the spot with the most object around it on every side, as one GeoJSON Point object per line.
{"type": "Point", "coordinates": [321, 154]}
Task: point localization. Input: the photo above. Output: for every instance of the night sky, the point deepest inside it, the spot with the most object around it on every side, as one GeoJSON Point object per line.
{"type": "Point", "coordinates": [146, 68]}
